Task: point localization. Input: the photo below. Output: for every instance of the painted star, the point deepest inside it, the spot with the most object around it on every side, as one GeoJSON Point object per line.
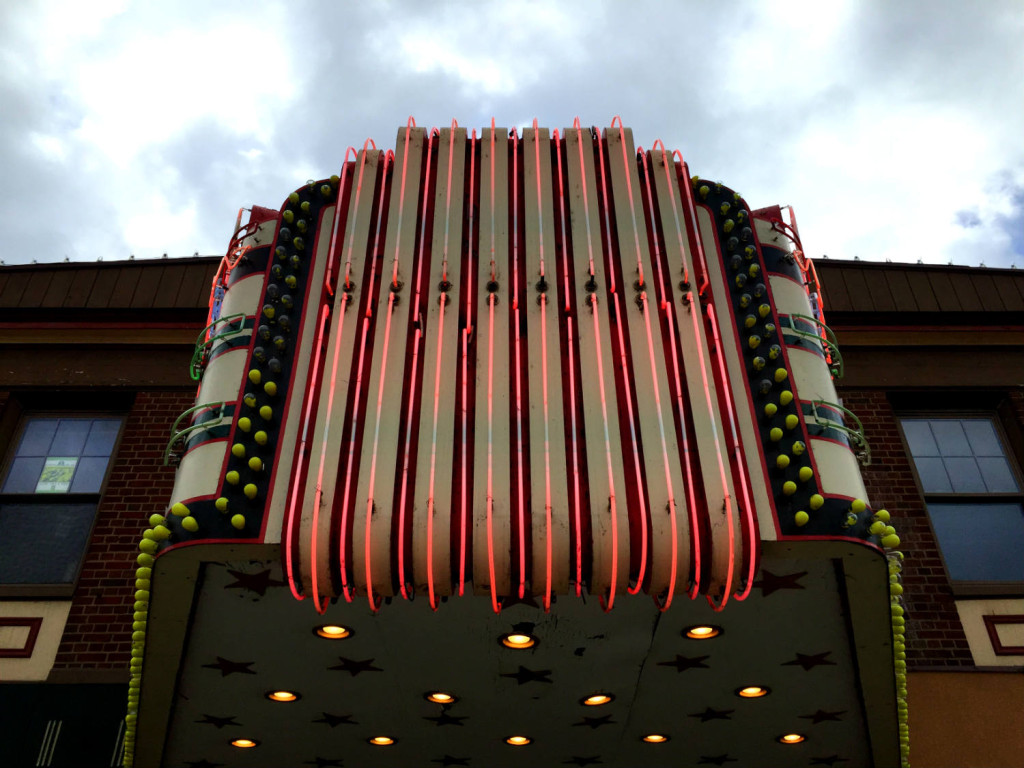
{"type": "Point", "coordinates": [596, 722]}
{"type": "Point", "coordinates": [254, 582]}
{"type": "Point", "coordinates": [582, 761]}
{"type": "Point", "coordinates": [830, 760]}
{"type": "Point", "coordinates": [714, 714]}
{"type": "Point", "coordinates": [449, 760]}
{"type": "Point", "coordinates": [810, 660]}
{"type": "Point", "coordinates": [220, 722]}
{"type": "Point", "coordinates": [821, 716]}
{"type": "Point", "coordinates": [204, 764]}
{"type": "Point", "coordinates": [683, 663]}
{"type": "Point", "coordinates": [445, 719]}
{"type": "Point", "coordinates": [770, 582]}
{"type": "Point", "coordinates": [323, 762]}
{"type": "Point", "coordinates": [355, 667]}
{"type": "Point", "coordinates": [230, 667]}
{"type": "Point", "coordinates": [333, 720]}
{"type": "Point", "coordinates": [525, 675]}
{"type": "Point", "coordinates": [716, 760]}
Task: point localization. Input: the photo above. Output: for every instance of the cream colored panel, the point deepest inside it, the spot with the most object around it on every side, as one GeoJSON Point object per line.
{"type": "Point", "coordinates": [491, 481]}
{"type": "Point", "coordinates": [720, 525]}
{"type": "Point", "coordinates": [344, 327]}
{"type": "Point", "coordinates": [244, 296]}
{"type": "Point", "coordinates": [549, 482]}
{"type": "Point", "coordinates": [200, 471]}
{"type": "Point", "coordinates": [371, 529]}
{"type": "Point", "coordinates": [648, 373]}
{"type": "Point", "coordinates": [972, 613]}
{"type": "Point", "coordinates": [838, 469]}
{"type": "Point", "coordinates": [441, 348]}
{"type": "Point", "coordinates": [810, 376]}
{"type": "Point", "coordinates": [609, 516]}
{"type": "Point", "coordinates": [36, 667]}
{"type": "Point", "coordinates": [290, 402]}
{"type": "Point", "coordinates": [789, 297]}
{"type": "Point", "coordinates": [767, 236]}
{"type": "Point", "coordinates": [264, 234]}
{"type": "Point", "coordinates": [222, 380]}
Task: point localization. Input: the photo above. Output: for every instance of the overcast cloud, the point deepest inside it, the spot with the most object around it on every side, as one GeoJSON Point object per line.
{"type": "Point", "coordinates": [894, 128]}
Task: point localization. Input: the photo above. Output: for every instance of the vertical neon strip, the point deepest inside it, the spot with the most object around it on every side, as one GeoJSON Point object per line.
{"type": "Point", "coordinates": [343, 534]}
{"type": "Point", "coordinates": [694, 304]}
{"type": "Point", "coordinates": [741, 467]}
{"type": "Point", "coordinates": [465, 369]}
{"type": "Point", "coordinates": [520, 458]}
{"type": "Point", "coordinates": [578, 543]}
{"type": "Point", "coordinates": [490, 405]}
{"type": "Point", "coordinates": [417, 302]}
{"type": "Point", "coordinates": [401, 199]}
{"type": "Point", "coordinates": [607, 604]}
{"type": "Point", "coordinates": [672, 204]}
{"type": "Point", "coordinates": [625, 367]}
{"type": "Point", "coordinates": [691, 215]}
{"type": "Point", "coordinates": [544, 376]}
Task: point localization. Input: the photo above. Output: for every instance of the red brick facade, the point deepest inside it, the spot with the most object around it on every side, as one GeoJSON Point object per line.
{"type": "Point", "coordinates": [99, 628]}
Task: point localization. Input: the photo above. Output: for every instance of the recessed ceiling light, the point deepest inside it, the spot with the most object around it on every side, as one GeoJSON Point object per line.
{"type": "Point", "coordinates": [381, 741]}
{"type": "Point", "coordinates": [333, 631]}
{"type": "Point", "coordinates": [655, 738]}
{"type": "Point", "coordinates": [703, 632]}
{"type": "Point", "coordinates": [440, 697]}
{"type": "Point", "coordinates": [597, 699]}
{"type": "Point", "coordinates": [518, 741]}
{"type": "Point", "coordinates": [282, 696]}
{"type": "Point", "coordinates": [245, 743]}
{"type": "Point", "coordinates": [752, 692]}
{"type": "Point", "coordinates": [792, 738]}
{"type": "Point", "coordinates": [518, 640]}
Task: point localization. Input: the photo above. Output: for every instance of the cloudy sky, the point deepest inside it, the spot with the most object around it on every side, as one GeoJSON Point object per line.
{"type": "Point", "coordinates": [895, 129]}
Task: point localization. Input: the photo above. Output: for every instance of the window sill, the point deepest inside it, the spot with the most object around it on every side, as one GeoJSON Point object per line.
{"type": "Point", "coordinates": [987, 588]}
{"type": "Point", "coordinates": [37, 591]}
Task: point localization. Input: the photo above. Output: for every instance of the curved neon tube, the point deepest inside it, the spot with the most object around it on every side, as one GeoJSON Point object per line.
{"type": "Point", "coordinates": [465, 370]}
{"type": "Point", "coordinates": [675, 209]}
{"type": "Point", "coordinates": [520, 458]}
{"type": "Point", "coordinates": [691, 213]}
{"type": "Point", "coordinates": [495, 604]}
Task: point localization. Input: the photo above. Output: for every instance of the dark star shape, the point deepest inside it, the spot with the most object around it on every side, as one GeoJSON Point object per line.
{"type": "Point", "coordinates": [323, 762]}
{"type": "Point", "coordinates": [716, 760]}
{"type": "Point", "coordinates": [596, 722]}
{"type": "Point", "coordinates": [445, 719]}
{"type": "Point", "coordinates": [821, 716]}
{"type": "Point", "coordinates": [683, 663]}
{"type": "Point", "coordinates": [220, 722]}
{"type": "Point", "coordinates": [582, 761]}
{"type": "Point", "coordinates": [333, 720]}
{"type": "Point", "coordinates": [449, 760]}
{"type": "Point", "coordinates": [254, 582]}
{"type": "Point", "coordinates": [770, 582]}
{"type": "Point", "coordinates": [810, 660]}
{"type": "Point", "coordinates": [525, 675]}
{"type": "Point", "coordinates": [230, 667]}
{"type": "Point", "coordinates": [204, 764]}
{"type": "Point", "coordinates": [714, 714]}
{"type": "Point", "coordinates": [355, 667]}
{"type": "Point", "coordinates": [830, 760]}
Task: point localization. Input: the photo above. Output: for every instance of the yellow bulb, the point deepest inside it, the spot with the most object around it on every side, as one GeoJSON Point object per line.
{"type": "Point", "coordinates": [266, 413]}
{"type": "Point", "coordinates": [382, 741]}
{"type": "Point", "coordinates": [250, 491]}
{"type": "Point", "coordinates": [282, 696]}
{"type": "Point", "coordinates": [775, 434]}
{"type": "Point", "coordinates": [221, 504]}
{"type": "Point", "coordinates": [440, 697]}
{"type": "Point", "coordinates": [238, 451]}
{"type": "Point", "coordinates": [270, 388]}
{"type": "Point", "coordinates": [190, 524]}
{"type": "Point", "coordinates": [254, 376]}
{"type": "Point", "coordinates": [780, 375]}
{"type": "Point", "coordinates": [752, 692]}
{"type": "Point", "coordinates": [703, 632]}
{"type": "Point", "coordinates": [792, 421]}
{"type": "Point", "coordinates": [655, 738]}
{"type": "Point", "coordinates": [518, 741]}
{"type": "Point", "coordinates": [771, 409]}
{"type": "Point", "coordinates": [245, 424]}
{"type": "Point", "coordinates": [232, 477]}
{"type": "Point", "coordinates": [801, 518]}
{"type": "Point", "coordinates": [333, 632]}
{"type": "Point", "coordinates": [792, 738]}
{"type": "Point", "coordinates": [782, 461]}
{"type": "Point", "coordinates": [816, 501]}
{"type": "Point", "coordinates": [786, 397]}
{"type": "Point", "coordinates": [260, 437]}
{"type": "Point", "coordinates": [255, 464]}
{"type": "Point", "coordinates": [179, 509]}
{"type": "Point", "coordinates": [806, 473]}
{"type": "Point", "coordinates": [244, 743]}
{"type": "Point", "coordinates": [798, 448]}
{"type": "Point", "coordinates": [238, 521]}
{"type": "Point", "coordinates": [789, 487]}
{"type": "Point", "coordinates": [518, 641]}
{"type": "Point", "coordinates": [597, 699]}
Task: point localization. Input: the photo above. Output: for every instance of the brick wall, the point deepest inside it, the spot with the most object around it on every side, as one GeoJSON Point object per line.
{"type": "Point", "coordinates": [935, 636]}
{"type": "Point", "coordinates": [99, 628]}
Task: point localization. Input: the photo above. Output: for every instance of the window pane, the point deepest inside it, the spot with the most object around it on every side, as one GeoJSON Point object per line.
{"type": "Point", "coordinates": [981, 542]}
{"type": "Point", "coordinates": [998, 477]}
{"type": "Point", "coordinates": [983, 438]}
{"type": "Point", "coordinates": [70, 437]}
{"type": "Point", "coordinates": [101, 437]}
{"type": "Point", "coordinates": [43, 543]}
{"type": "Point", "coordinates": [950, 436]}
{"type": "Point", "coordinates": [933, 476]}
{"type": "Point", "coordinates": [965, 475]}
{"type": "Point", "coordinates": [37, 437]}
{"type": "Point", "coordinates": [89, 474]}
{"type": "Point", "coordinates": [24, 475]}
{"type": "Point", "coordinates": [919, 437]}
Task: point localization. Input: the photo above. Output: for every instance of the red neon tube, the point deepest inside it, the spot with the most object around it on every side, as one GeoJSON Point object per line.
{"type": "Point", "coordinates": [520, 458]}
{"type": "Point", "coordinates": [465, 370]}
{"type": "Point", "coordinates": [691, 214]}
{"type": "Point", "coordinates": [495, 604]}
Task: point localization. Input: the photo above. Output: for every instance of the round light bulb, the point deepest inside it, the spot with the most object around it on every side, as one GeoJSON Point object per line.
{"type": "Point", "coordinates": [333, 631]}
{"type": "Point", "coordinates": [792, 738]}
{"type": "Point", "coordinates": [597, 699]}
{"type": "Point", "coordinates": [703, 632]}
{"type": "Point", "coordinates": [244, 743]}
{"type": "Point", "coordinates": [382, 741]}
{"type": "Point", "coordinates": [518, 640]}
{"type": "Point", "coordinates": [518, 741]}
{"type": "Point", "coordinates": [655, 738]}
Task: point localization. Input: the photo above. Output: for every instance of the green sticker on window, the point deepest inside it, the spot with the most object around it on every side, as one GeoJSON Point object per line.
{"type": "Point", "coordinates": [56, 475]}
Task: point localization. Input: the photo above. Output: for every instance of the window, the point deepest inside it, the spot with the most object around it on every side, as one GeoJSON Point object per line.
{"type": "Point", "coordinates": [972, 489]}
{"type": "Point", "coordinates": [49, 496]}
